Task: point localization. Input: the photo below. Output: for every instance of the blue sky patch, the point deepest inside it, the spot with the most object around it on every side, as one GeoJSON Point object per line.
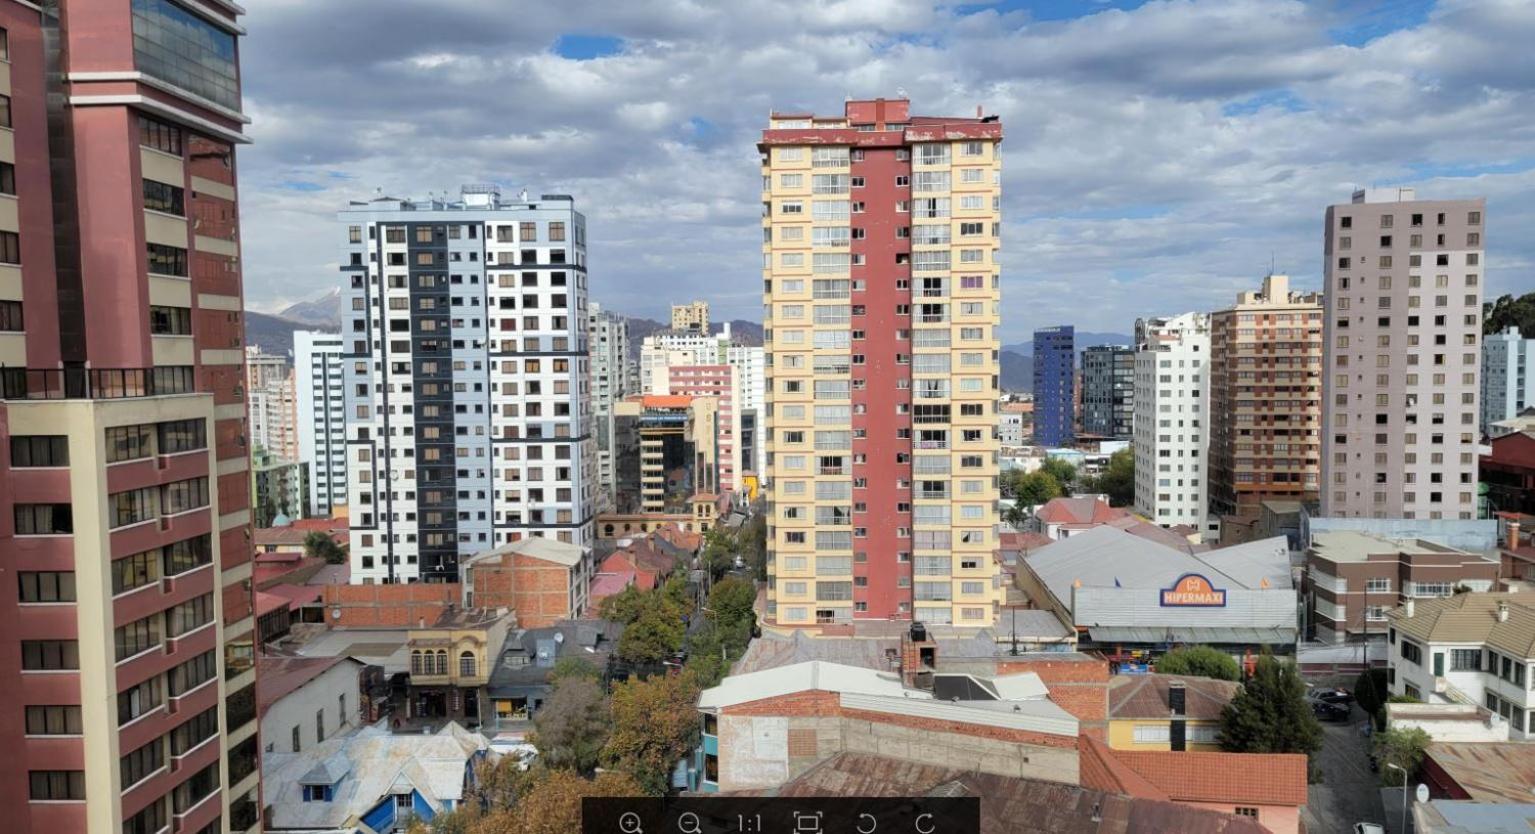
{"type": "Point", "coordinates": [1283, 99]}
{"type": "Point", "coordinates": [1050, 9]}
{"type": "Point", "coordinates": [587, 47]}
{"type": "Point", "coordinates": [1376, 18]}
{"type": "Point", "coordinates": [300, 185]}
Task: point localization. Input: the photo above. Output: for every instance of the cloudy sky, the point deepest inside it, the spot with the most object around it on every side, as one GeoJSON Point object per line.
{"type": "Point", "coordinates": [1158, 155]}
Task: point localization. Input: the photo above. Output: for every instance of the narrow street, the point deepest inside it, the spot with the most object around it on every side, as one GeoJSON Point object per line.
{"type": "Point", "coordinates": [1349, 791]}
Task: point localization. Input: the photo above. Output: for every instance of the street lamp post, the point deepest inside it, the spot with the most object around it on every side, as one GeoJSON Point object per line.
{"type": "Point", "coordinates": [1403, 818]}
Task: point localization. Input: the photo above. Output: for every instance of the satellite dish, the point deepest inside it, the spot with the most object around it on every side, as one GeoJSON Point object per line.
{"type": "Point", "coordinates": [1422, 795]}
{"type": "Point", "coordinates": [559, 637]}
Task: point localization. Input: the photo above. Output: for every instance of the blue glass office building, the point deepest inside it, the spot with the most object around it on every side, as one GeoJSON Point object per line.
{"type": "Point", "coordinates": [1054, 385]}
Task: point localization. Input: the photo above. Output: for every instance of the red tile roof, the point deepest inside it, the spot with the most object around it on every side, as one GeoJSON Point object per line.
{"type": "Point", "coordinates": [1146, 696]}
{"type": "Point", "coordinates": [1235, 778]}
{"type": "Point", "coordinates": [1078, 511]}
{"type": "Point", "coordinates": [1100, 770]}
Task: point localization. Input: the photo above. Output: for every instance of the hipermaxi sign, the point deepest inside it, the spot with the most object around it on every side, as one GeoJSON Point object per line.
{"type": "Point", "coordinates": [1193, 590]}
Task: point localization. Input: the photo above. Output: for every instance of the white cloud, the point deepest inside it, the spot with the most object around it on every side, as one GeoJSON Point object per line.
{"type": "Point", "coordinates": [1156, 159]}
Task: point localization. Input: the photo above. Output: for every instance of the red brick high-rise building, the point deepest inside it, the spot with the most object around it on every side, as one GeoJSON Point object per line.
{"type": "Point", "coordinates": [126, 630]}
{"type": "Point", "coordinates": [881, 287]}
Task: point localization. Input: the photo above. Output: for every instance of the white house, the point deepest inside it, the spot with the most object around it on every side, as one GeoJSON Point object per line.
{"type": "Point", "coordinates": [303, 701]}
{"type": "Point", "coordinates": [1471, 648]}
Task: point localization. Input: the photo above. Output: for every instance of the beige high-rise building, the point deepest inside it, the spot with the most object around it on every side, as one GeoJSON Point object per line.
{"type": "Point", "coordinates": [880, 241]}
{"type": "Point", "coordinates": [1265, 399]}
{"type": "Point", "coordinates": [693, 317]}
{"type": "Point", "coordinates": [1403, 337]}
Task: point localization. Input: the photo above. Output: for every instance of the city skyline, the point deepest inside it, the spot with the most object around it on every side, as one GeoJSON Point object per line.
{"type": "Point", "coordinates": [1141, 169]}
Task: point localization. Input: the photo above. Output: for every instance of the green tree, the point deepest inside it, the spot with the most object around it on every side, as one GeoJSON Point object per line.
{"type": "Point", "coordinates": [655, 724]}
{"type": "Point", "coordinates": [732, 601]}
{"type": "Point", "coordinates": [1400, 746]}
{"type": "Point", "coordinates": [319, 543]}
{"type": "Point", "coordinates": [1371, 692]}
{"type": "Point", "coordinates": [1016, 515]}
{"type": "Point", "coordinates": [622, 607]}
{"type": "Point", "coordinates": [719, 551]}
{"type": "Point", "coordinates": [1036, 488]}
{"type": "Point", "coordinates": [1509, 311]}
{"type": "Point", "coordinates": [574, 667]}
{"type": "Point", "coordinates": [571, 728]}
{"type": "Point", "coordinates": [1064, 473]}
{"type": "Point", "coordinates": [1199, 661]}
{"type": "Point", "coordinates": [1270, 714]}
{"type": "Point", "coordinates": [655, 634]}
{"type": "Point", "coordinates": [1117, 480]}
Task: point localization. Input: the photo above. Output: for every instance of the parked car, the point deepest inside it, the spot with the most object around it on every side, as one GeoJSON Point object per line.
{"type": "Point", "coordinates": [1331, 696]}
{"type": "Point", "coordinates": [1368, 828]}
{"type": "Point", "coordinates": [1325, 711]}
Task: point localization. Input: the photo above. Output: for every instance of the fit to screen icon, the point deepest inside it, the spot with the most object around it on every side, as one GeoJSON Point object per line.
{"type": "Point", "coordinates": [629, 823]}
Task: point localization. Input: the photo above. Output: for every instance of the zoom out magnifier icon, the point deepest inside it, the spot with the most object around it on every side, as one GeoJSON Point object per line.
{"type": "Point", "coordinates": [687, 823]}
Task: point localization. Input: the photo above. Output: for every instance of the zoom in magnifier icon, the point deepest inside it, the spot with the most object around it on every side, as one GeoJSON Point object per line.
{"type": "Point", "coordinates": [629, 823]}
{"type": "Point", "coordinates": [687, 823]}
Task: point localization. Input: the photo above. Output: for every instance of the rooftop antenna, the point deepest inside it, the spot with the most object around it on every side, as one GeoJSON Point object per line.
{"type": "Point", "coordinates": [900, 92]}
{"type": "Point", "coordinates": [1271, 262]}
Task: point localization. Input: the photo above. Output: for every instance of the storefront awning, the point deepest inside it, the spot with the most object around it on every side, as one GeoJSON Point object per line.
{"type": "Point", "coordinates": [1185, 634]}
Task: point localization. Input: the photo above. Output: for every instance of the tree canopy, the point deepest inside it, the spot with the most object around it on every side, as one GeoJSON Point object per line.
{"type": "Point", "coordinates": [1065, 474]}
{"type": "Point", "coordinates": [1199, 661]}
{"type": "Point", "coordinates": [1400, 746]}
{"type": "Point", "coordinates": [571, 727]}
{"type": "Point", "coordinates": [1270, 714]}
{"type": "Point", "coordinates": [319, 543]}
{"type": "Point", "coordinates": [655, 724]}
{"type": "Point", "coordinates": [1117, 480]}
{"type": "Point", "coordinates": [1510, 311]}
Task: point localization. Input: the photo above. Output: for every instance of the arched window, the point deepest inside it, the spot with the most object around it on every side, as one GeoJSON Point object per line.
{"type": "Point", "coordinates": [466, 665]}
{"type": "Point", "coordinates": [415, 664]}
{"type": "Point", "coordinates": [442, 661]}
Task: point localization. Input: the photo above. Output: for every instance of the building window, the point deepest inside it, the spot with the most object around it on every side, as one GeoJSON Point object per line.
{"type": "Point", "coordinates": [54, 721]}
{"type": "Point", "coordinates": [44, 520]}
{"type": "Point", "coordinates": [159, 196]}
{"type": "Point", "coordinates": [10, 248]}
{"type": "Point", "coordinates": [5, 111]}
{"type": "Point", "coordinates": [47, 586]}
{"type": "Point", "coordinates": [57, 785]}
{"type": "Point", "coordinates": [43, 655]}
{"type": "Point", "coordinates": [1246, 812]}
{"type": "Point", "coordinates": [10, 317]}
{"type": "Point", "coordinates": [1465, 660]}
{"type": "Point", "coordinates": [181, 48]}
{"type": "Point", "coordinates": [1152, 734]}
{"type": "Point", "coordinates": [159, 136]}
{"type": "Point", "coordinates": [137, 765]}
{"type": "Point", "coordinates": [41, 450]}
{"type": "Point", "coordinates": [7, 178]}
{"type": "Point", "coordinates": [138, 700]}
{"type": "Point", "coordinates": [170, 321]}
{"type": "Point", "coordinates": [162, 260]}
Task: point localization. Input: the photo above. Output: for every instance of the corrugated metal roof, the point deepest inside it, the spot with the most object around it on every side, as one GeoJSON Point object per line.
{"type": "Point", "coordinates": [1490, 771]}
{"type": "Point", "coordinates": [1187, 634]}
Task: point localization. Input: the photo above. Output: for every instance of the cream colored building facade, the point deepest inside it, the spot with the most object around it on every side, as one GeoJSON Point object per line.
{"type": "Point", "coordinates": [882, 303]}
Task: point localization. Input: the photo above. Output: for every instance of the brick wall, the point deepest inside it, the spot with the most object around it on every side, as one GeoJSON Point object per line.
{"type": "Point", "coordinates": [1078, 685]}
{"type": "Point", "coordinates": [394, 606]}
{"type": "Point", "coordinates": [538, 590]}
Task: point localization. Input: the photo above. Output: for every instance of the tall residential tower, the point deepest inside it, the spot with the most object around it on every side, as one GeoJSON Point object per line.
{"type": "Point", "coordinates": [468, 409]}
{"type": "Point", "coordinates": [1403, 329]}
{"type": "Point", "coordinates": [880, 240]}
{"type": "Point", "coordinates": [1265, 399]}
{"type": "Point", "coordinates": [321, 393]}
{"type": "Point", "coordinates": [127, 641]}
{"type": "Point", "coordinates": [1172, 426]}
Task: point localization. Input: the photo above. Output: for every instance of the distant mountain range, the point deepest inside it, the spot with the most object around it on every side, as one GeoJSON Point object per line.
{"type": "Point", "coordinates": [273, 334]}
